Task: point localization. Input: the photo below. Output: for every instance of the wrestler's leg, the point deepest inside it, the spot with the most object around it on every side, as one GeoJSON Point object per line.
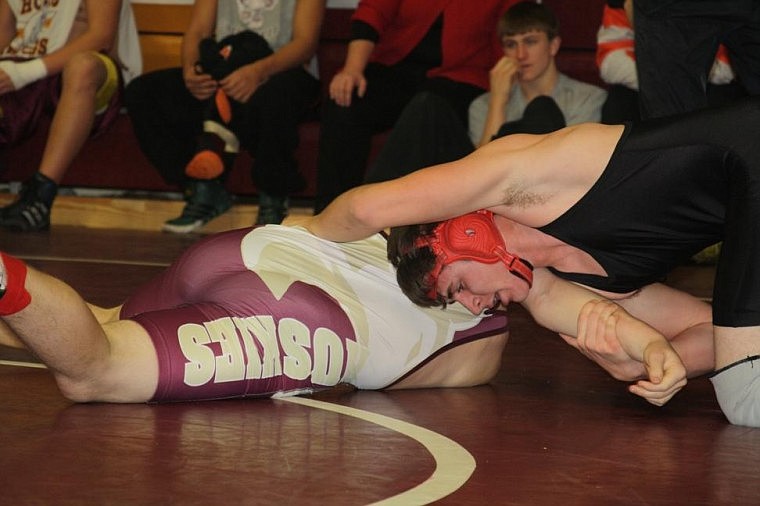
{"type": "Point", "coordinates": [682, 318]}
{"type": "Point", "coordinates": [8, 337]}
{"type": "Point", "coordinates": [736, 299]}
{"type": "Point", "coordinates": [733, 126]}
{"type": "Point", "coordinates": [737, 382]}
{"type": "Point", "coordinates": [103, 315]}
{"type": "Point", "coordinates": [114, 362]}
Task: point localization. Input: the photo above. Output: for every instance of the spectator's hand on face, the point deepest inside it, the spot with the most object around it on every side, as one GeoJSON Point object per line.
{"type": "Point", "coordinates": [503, 76]}
{"type": "Point", "coordinates": [343, 84]}
{"type": "Point", "coordinates": [201, 86]}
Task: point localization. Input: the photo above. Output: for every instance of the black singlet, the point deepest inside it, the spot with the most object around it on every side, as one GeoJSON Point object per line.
{"type": "Point", "coordinates": [671, 188]}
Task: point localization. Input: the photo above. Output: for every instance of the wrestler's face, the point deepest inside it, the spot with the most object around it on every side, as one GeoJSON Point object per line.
{"type": "Point", "coordinates": [532, 51]}
{"type": "Point", "coordinates": [479, 286]}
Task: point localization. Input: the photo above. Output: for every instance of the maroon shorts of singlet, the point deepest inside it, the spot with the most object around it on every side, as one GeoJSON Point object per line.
{"type": "Point", "coordinates": [214, 324]}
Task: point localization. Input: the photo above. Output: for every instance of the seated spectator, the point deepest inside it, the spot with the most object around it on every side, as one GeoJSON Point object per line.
{"type": "Point", "coordinates": [616, 59]}
{"type": "Point", "coordinates": [268, 96]}
{"type": "Point", "coordinates": [528, 95]}
{"type": "Point", "coordinates": [71, 58]}
{"type": "Point", "coordinates": [398, 49]}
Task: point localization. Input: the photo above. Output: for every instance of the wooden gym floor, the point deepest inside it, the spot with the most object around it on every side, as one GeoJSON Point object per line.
{"type": "Point", "coordinates": [551, 428]}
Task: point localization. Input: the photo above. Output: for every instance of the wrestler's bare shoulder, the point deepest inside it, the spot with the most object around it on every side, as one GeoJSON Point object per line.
{"type": "Point", "coordinates": [536, 178]}
{"type": "Point", "coordinates": [586, 148]}
{"type": "Point", "coordinates": [587, 131]}
{"type": "Point", "coordinates": [582, 135]}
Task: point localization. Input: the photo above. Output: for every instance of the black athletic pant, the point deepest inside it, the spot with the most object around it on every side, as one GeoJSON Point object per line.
{"type": "Point", "coordinates": [346, 132]}
{"type": "Point", "coordinates": [167, 121]}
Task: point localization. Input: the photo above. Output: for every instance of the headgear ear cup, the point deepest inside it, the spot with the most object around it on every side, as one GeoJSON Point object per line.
{"type": "Point", "coordinates": [473, 236]}
{"type": "Point", "coordinates": [470, 235]}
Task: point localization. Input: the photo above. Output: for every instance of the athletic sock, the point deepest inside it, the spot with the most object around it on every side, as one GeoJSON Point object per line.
{"type": "Point", "coordinates": [13, 277]}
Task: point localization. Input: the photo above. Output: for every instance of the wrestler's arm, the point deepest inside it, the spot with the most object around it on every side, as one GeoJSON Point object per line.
{"type": "Point", "coordinates": [463, 365]}
{"type": "Point", "coordinates": [575, 311]}
{"type": "Point", "coordinates": [682, 318]}
{"type": "Point", "coordinates": [528, 178]}
{"type": "Point", "coordinates": [424, 196]}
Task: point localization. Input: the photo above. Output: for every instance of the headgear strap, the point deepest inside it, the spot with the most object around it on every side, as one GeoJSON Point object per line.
{"type": "Point", "coordinates": [473, 236]}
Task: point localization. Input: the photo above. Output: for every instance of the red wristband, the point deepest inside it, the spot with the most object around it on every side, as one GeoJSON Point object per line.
{"type": "Point", "coordinates": [16, 297]}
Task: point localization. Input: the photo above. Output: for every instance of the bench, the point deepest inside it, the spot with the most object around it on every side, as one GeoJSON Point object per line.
{"type": "Point", "coordinates": [114, 160]}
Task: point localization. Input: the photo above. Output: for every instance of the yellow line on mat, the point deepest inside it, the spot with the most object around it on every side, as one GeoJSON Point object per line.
{"type": "Point", "coordinates": [454, 464]}
{"type": "Point", "coordinates": [34, 365]}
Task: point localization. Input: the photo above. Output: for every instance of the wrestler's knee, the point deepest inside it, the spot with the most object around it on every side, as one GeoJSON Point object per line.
{"type": "Point", "coordinates": [737, 389]}
{"type": "Point", "coordinates": [89, 382]}
{"type": "Point", "coordinates": [79, 390]}
{"type": "Point", "coordinates": [106, 385]}
{"type": "Point", "coordinates": [128, 372]}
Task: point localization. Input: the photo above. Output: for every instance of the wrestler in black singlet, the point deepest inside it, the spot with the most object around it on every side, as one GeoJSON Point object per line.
{"type": "Point", "coordinates": [671, 188]}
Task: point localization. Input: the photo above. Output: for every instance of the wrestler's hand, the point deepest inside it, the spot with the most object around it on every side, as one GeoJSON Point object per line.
{"type": "Point", "coordinates": [343, 84]}
{"type": "Point", "coordinates": [598, 340]}
{"type": "Point", "coordinates": [603, 323]}
{"type": "Point", "coordinates": [606, 352]}
{"type": "Point", "coordinates": [667, 374]}
{"type": "Point", "coordinates": [201, 86]}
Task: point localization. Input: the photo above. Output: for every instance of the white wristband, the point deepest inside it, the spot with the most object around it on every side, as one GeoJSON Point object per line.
{"type": "Point", "coordinates": [24, 72]}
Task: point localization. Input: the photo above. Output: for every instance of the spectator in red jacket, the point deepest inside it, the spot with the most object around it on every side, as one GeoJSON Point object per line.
{"type": "Point", "coordinates": [399, 48]}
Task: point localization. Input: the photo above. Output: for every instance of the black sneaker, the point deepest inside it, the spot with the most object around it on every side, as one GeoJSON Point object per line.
{"type": "Point", "coordinates": [31, 212]}
{"type": "Point", "coordinates": [272, 209]}
{"type": "Point", "coordinates": [205, 201]}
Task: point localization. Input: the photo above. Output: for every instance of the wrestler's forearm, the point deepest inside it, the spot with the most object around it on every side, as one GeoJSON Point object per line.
{"type": "Point", "coordinates": [696, 348]}
{"type": "Point", "coordinates": [556, 304]}
{"type": "Point", "coordinates": [424, 196]}
{"type": "Point", "coordinates": [344, 219]}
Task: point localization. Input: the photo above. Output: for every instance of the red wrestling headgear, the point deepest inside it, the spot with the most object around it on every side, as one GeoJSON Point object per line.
{"type": "Point", "coordinates": [473, 236]}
